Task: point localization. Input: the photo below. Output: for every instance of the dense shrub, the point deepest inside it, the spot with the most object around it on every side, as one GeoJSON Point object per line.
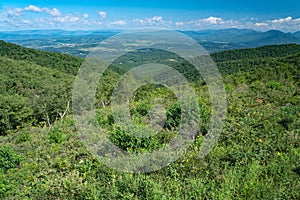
{"type": "Point", "coordinates": [8, 158]}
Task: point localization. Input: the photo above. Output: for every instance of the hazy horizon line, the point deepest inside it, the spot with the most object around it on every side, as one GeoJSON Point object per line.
{"type": "Point", "coordinates": [127, 29]}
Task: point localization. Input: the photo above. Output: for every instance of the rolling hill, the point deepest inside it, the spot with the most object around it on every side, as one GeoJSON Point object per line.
{"type": "Point", "coordinates": [257, 155]}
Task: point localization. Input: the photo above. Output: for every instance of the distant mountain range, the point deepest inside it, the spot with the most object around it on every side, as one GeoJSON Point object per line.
{"type": "Point", "coordinates": [56, 33]}
{"type": "Point", "coordinates": [78, 43]}
{"type": "Point", "coordinates": [245, 37]}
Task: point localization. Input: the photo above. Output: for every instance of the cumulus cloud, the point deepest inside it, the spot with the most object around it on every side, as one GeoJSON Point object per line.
{"type": "Point", "coordinates": [208, 23]}
{"type": "Point", "coordinates": [153, 21]}
{"type": "Point", "coordinates": [213, 20]}
{"type": "Point", "coordinates": [46, 16]}
{"type": "Point", "coordinates": [12, 18]}
{"type": "Point", "coordinates": [67, 19]}
{"type": "Point", "coordinates": [102, 14]}
{"type": "Point", "coordinates": [85, 16]}
{"type": "Point", "coordinates": [33, 8]}
{"type": "Point", "coordinates": [15, 12]}
{"type": "Point", "coordinates": [157, 18]}
{"type": "Point", "coordinates": [52, 12]}
{"type": "Point", "coordinates": [261, 24]}
{"type": "Point", "coordinates": [119, 23]}
{"type": "Point", "coordinates": [282, 20]}
{"type": "Point", "coordinates": [296, 21]}
{"type": "Point", "coordinates": [26, 21]}
{"type": "Point", "coordinates": [284, 24]}
{"type": "Point", "coordinates": [179, 23]}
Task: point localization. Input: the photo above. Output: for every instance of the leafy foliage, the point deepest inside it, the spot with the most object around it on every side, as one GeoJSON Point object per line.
{"type": "Point", "coordinates": [31, 94]}
{"type": "Point", "coordinates": [8, 158]}
{"type": "Point", "coordinates": [257, 156]}
{"type": "Point", "coordinates": [62, 62]}
{"type": "Point", "coordinates": [261, 52]}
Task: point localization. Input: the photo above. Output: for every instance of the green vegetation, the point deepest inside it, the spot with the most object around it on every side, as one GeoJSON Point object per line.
{"type": "Point", "coordinates": [31, 94]}
{"type": "Point", "coordinates": [257, 156]}
{"type": "Point", "coordinates": [261, 52]}
{"type": "Point", "coordinates": [61, 62]}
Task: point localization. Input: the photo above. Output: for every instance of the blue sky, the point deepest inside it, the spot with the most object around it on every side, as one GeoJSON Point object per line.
{"type": "Point", "coordinates": [127, 14]}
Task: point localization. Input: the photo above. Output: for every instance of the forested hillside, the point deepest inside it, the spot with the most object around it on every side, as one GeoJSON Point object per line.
{"type": "Point", "coordinates": [261, 52]}
{"type": "Point", "coordinates": [257, 156]}
{"type": "Point", "coordinates": [61, 62]}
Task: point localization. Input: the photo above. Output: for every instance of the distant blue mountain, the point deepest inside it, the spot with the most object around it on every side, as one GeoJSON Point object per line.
{"type": "Point", "coordinates": [56, 32]}
{"type": "Point", "coordinates": [79, 41]}
{"type": "Point", "coordinates": [246, 37]}
{"type": "Point", "coordinates": [296, 34]}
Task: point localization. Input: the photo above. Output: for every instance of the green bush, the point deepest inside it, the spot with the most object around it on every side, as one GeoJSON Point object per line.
{"type": "Point", "coordinates": [23, 136]}
{"type": "Point", "coordinates": [8, 158]}
{"type": "Point", "coordinates": [131, 143]}
{"type": "Point", "coordinates": [173, 116]}
{"type": "Point", "coordinates": [143, 108]}
{"type": "Point", "coordinates": [273, 85]}
{"type": "Point", "coordinates": [56, 136]}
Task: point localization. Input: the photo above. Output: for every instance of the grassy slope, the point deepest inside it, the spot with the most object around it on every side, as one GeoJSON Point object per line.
{"type": "Point", "coordinates": [257, 156]}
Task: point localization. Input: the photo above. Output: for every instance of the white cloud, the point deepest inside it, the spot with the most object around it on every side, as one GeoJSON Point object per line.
{"type": "Point", "coordinates": [157, 18]}
{"type": "Point", "coordinates": [282, 20]}
{"type": "Point", "coordinates": [85, 16]}
{"type": "Point", "coordinates": [11, 17]}
{"type": "Point", "coordinates": [210, 22]}
{"type": "Point", "coordinates": [153, 21]}
{"type": "Point", "coordinates": [67, 19]}
{"type": "Point", "coordinates": [52, 12]}
{"type": "Point", "coordinates": [296, 21]}
{"type": "Point", "coordinates": [213, 20]}
{"type": "Point", "coordinates": [26, 21]}
{"type": "Point", "coordinates": [102, 14]}
{"type": "Point", "coordinates": [14, 12]}
{"type": "Point", "coordinates": [287, 24]}
{"type": "Point", "coordinates": [179, 23]}
{"type": "Point", "coordinates": [261, 24]}
{"type": "Point", "coordinates": [33, 8]}
{"type": "Point", "coordinates": [119, 23]}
